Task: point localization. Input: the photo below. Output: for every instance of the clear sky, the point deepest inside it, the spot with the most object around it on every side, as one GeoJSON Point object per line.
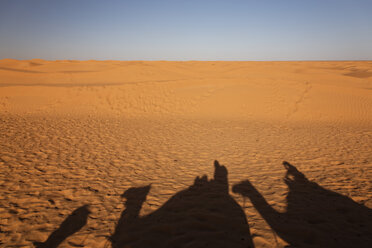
{"type": "Point", "coordinates": [186, 29]}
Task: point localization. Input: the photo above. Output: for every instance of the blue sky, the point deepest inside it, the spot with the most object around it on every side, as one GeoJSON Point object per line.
{"type": "Point", "coordinates": [186, 29]}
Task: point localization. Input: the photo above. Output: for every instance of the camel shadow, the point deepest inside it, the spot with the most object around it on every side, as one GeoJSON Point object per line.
{"type": "Point", "coordinates": [73, 223]}
{"type": "Point", "coordinates": [203, 215]}
{"type": "Point", "coordinates": [315, 217]}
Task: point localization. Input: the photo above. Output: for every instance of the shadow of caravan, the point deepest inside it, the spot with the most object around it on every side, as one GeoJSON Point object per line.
{"type": "Point", "coordinates": [203, 215]}
{"type": "Point", "coordinates": [315, 217]}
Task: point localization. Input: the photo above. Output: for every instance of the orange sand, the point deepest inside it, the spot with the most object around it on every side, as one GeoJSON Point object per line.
{"type": "Point", "coordinates": [76, 133]}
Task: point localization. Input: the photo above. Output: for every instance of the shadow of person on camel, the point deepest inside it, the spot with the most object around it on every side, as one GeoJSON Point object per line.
{"type": "Point", "coordinates": [72, 224]}
{"type": "Point", "coordinates": [315, 217]}
{"type": "Point", "coordinates": [203, 215]}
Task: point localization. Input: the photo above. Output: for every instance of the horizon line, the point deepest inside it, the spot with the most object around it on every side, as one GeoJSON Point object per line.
{"type": "Point", "coordinates": [195, 60]}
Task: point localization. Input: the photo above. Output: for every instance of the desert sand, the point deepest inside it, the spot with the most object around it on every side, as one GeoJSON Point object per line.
{"type": "Point", "coordinates": [121, 154]}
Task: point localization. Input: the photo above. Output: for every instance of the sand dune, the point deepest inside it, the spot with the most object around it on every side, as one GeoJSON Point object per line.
{"type": "Point", "coordinates": [286, 91]}
{"type": "Point", "coordinates": [81, 141]}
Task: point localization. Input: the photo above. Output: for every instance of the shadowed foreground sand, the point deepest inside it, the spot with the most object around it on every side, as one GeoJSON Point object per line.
{"type": "Point", "coordinates": [112, 153]}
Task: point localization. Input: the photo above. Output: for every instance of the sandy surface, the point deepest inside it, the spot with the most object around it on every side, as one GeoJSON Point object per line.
{"type": "Point", "coordinates": [101, 153]}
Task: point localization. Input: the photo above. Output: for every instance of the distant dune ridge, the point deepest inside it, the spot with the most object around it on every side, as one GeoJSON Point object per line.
{"type": "Point", "coordinates": [322, 91]}
{"type": "Point", "coordinates": [118, 153]}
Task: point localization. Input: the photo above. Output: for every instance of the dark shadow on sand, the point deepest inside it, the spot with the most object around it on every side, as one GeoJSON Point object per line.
{"type": "Point", "coordinates": [315, 217]}
{"type": "Point", "coordinates": [203, 215]}
{"type": "Point", "coordinates": [73, 223]}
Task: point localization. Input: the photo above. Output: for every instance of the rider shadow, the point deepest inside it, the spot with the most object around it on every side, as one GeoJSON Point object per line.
{"type": "Point", "coordinates": [315, 217]}
{"type": "Point", "coordinates": [73, 223]}
{"type": "Point", "coordinates": [203, 215]}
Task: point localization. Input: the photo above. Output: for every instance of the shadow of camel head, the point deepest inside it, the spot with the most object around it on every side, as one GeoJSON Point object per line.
{"type": "Point", "coordinates": [136, 196]}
